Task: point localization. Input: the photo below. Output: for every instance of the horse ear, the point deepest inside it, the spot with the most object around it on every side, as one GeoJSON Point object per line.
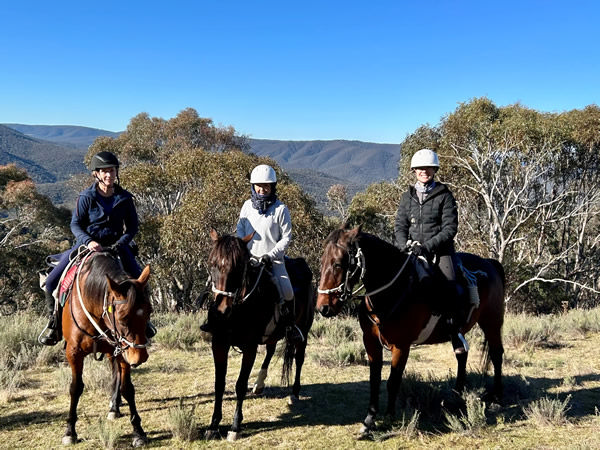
{"type": "Point", "coordinates": [143, 279]}
{"type": "Point", "coordinates": [213, 235]}
{"type": "Point", "coordinates": [246, 239]}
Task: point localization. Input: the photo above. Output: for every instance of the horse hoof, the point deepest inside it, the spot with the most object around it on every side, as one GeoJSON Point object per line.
{"type": "Point", "coordinates": [233, 436]}
{"type": "Point", "coordinates": [258, 390]}
{"type": "Point", "coordinates": [211, 434]}
{"type": "Point", "coordinates": [139, 441]}
{"type": "Point", "coordinates": [112, 415]}
{"type": "Point", "coordinates": [69, 440]}
{"type": "Point", "coordinates": [292, 400]}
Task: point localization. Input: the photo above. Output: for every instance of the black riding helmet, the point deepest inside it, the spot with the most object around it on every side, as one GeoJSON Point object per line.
{"type": "Point", "coordinates": [103, 160]}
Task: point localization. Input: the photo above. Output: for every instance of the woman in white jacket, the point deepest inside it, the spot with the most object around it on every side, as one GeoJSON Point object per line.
{"type": "Point", "coordinates": [269, 219]}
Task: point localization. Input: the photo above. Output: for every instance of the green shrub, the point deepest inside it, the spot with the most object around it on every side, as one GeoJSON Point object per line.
{"type": "Point", "coordinates": [107, 433]}
{"type": "Point", "coordinates": [526, 331]}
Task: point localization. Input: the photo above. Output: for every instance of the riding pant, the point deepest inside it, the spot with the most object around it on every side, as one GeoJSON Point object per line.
{"type": "Point", "coordinates": [282, 280]}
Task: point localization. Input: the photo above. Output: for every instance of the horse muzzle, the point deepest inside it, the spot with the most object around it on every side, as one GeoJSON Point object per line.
{"type": "Point", "coordinates": [135, 356]}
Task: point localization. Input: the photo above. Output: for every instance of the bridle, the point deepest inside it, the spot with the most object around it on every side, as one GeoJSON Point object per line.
{"type": "Point", "coordinates": [346, 288]}
{"type": "Point", "coordinates": [357, 262]}
{"type": "Point", "coordinates": [116, 340]}
{"type": "Point", "coordinates": [236, 295]}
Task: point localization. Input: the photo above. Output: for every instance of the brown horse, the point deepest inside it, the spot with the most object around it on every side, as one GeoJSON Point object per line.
{"type": "Point", "coordinates": [106, 313]}
{"type": "Point", "coordinates": [245, 314]}
{"type": "Point", "coordinates": [394, 313]}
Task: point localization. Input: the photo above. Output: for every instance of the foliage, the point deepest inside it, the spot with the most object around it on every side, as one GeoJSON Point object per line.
{"type": "Point", "coordinates": [30, 228]}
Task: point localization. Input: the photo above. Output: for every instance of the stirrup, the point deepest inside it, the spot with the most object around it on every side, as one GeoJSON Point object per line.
{"type": "Point", "coordinates": [460, 344]}
{"type": "Point", "coordinates": [150, 330]}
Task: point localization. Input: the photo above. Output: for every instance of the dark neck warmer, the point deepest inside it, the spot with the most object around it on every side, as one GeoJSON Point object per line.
{"type": "Point", "coordinates": [262, 202]}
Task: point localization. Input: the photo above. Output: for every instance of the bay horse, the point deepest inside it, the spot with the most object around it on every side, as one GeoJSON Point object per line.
{"type": "Point", "coordinates": [106, 312]}
{"type": "Point", "coordinates": [244, 314]}
{"type": "Point", "coordinates": [394, 313]}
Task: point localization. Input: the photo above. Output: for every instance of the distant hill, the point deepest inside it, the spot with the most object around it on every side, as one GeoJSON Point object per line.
{"type": "Point", "coordinates": [52, 153]}
{"type": "Point", "coordinates": [67, 135]}
{"type": "Point", "coordinates": [46, 162]}
{"type": "Point", "coordinates": [354, 161]}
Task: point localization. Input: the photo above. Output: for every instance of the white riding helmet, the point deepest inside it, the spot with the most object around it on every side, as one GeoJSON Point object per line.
{"type": "Point", "coordinates": [263, 174]}
{"type": "Point", "coordinates": [425, 158]}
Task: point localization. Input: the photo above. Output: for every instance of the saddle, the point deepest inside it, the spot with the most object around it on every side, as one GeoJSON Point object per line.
{"type": "Point", "coordinates": [67, 278]}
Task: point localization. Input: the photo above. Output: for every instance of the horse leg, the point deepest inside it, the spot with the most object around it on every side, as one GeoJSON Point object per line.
{"type": "Point", "coordinates": [220, 351]}
{"type": "Point", "coordinates": [248, 357]}
{"type": "Point", "coordinates": [375, 353]}
{"type": "Point", "coordinates": [461, 371]}
{"type": "Point", "coordinates": [115, 399]}
{"type": "Point", "coordinates": [398, 363]}
{"type": "Point", "coordinates": [259, 386]}
{"type": "Point", "coordinates": [128, 391]}
{"type": "Point", "coordinates": [300, 354]}
{"type": "Point", "coordinates": [76, 389]}
{"type": "Point", "coordinates": [496, 351]}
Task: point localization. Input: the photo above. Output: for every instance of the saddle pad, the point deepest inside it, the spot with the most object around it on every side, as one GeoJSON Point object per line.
{"type": "Point", "coordinates": [67, 282]}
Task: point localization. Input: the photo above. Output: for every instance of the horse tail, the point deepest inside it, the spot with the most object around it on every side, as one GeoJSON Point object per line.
{"type": "Point", "coordinates": [288, 360]}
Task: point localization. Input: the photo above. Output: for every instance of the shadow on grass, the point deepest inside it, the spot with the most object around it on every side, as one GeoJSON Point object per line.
{"type": "Point", "coordinates": [16, 421]}
{"type": "Point", "coordinates": [346, 403]}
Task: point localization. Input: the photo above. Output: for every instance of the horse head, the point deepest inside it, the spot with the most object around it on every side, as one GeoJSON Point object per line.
{"type": "Point", "coordinates": [340, 270]}
{"type": "Point", "coordinates": [228, 262]}
{"type": "Point", "coordinates": [129, 309]}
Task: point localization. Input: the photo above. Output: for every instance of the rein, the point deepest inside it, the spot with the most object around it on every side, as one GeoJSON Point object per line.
{"type": "Point", "coordinates": [235, 295]}
{"type": "Point", "coordinates": [346, 288]}
{"type": "Point", "coordinates": [106, 308]}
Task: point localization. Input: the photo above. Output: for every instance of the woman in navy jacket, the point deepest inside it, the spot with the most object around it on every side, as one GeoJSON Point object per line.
{"type": "Point", "coordinates": [104, 217]}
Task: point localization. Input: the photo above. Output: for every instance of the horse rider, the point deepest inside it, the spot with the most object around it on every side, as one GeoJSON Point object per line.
{"type": "Point", "coordinates": [104, 218]}
{"type": "Point", "coordinates": [270, 221]}
{"type": "Point", "coordinates": [426, 224]}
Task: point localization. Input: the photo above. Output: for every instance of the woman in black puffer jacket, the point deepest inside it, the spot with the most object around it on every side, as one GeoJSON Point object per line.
{"type": "Point", "coordinates": [426, 224]}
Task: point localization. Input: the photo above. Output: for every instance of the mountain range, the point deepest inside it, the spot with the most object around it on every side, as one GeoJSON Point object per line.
{"type": "Point", "coordinates": [53, 153]}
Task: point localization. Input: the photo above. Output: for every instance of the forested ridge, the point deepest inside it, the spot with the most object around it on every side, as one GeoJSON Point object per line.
{"type": "Point", "coordinates": [527, 185]}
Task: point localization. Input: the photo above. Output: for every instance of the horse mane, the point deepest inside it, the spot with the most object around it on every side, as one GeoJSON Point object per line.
{"type": "Point", "coordinates": [230, 247]}
{"type": "Point", "coordinates": [101, 265]}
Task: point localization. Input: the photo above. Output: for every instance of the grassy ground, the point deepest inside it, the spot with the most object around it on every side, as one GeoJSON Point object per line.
{"type": "Point", "coordinates": [552, 394]}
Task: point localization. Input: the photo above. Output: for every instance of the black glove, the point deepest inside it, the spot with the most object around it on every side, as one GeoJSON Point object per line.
{"type": "Point", "coordinates": [265, 260]}
{"type": "Point", "coordinates": [419, 250]}
{"type": "Point", "coordinates": [115, 248]}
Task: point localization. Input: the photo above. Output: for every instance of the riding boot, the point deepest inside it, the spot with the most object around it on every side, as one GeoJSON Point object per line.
{"type": "Point", "coordinates": [456, 319]}
{"type": "Point", "coordinates": [51, 334]}
{"type": "Point", "coordinates": [292, 333]}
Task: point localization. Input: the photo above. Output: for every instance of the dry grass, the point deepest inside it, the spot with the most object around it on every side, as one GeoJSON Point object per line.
{"type": "Point", "coordinates": [333, 399]}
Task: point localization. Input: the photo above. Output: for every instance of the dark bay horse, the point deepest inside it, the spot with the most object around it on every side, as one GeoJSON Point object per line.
{"type": "Point", "coordinates": [106, 313]}
{"type": "Point", "coordinates": [244, 314]}
{"type": "Point", "coordinates": [395, 314]}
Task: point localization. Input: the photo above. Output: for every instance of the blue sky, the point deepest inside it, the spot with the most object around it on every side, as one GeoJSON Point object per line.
{"type": "Point", "coordinates": [371, 71]}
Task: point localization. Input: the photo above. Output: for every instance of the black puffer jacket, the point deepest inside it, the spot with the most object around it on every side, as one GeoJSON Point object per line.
{"type": "Point", "coordinates": [433, 223]}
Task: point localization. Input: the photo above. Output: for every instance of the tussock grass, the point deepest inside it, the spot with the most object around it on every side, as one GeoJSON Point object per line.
{"type": "Point", "coordinates": [179, 331]}
{"type": "Point", "coordinates": [581, 322]}
{"type": "Point", "coordinates": [182, 422]}
{"type": "Point", "coordinates": [406, 427]}
{"type": "Point", "coordinates": [470, 422]}
{"type": "Point", "coordinates": [108, 433]}
{"type": "Point", "coordinates": [342, 339]}
{"type": "Point", "coordinates": [546, 411]}
{"type": "Point", "coordinates": [526, 331]}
